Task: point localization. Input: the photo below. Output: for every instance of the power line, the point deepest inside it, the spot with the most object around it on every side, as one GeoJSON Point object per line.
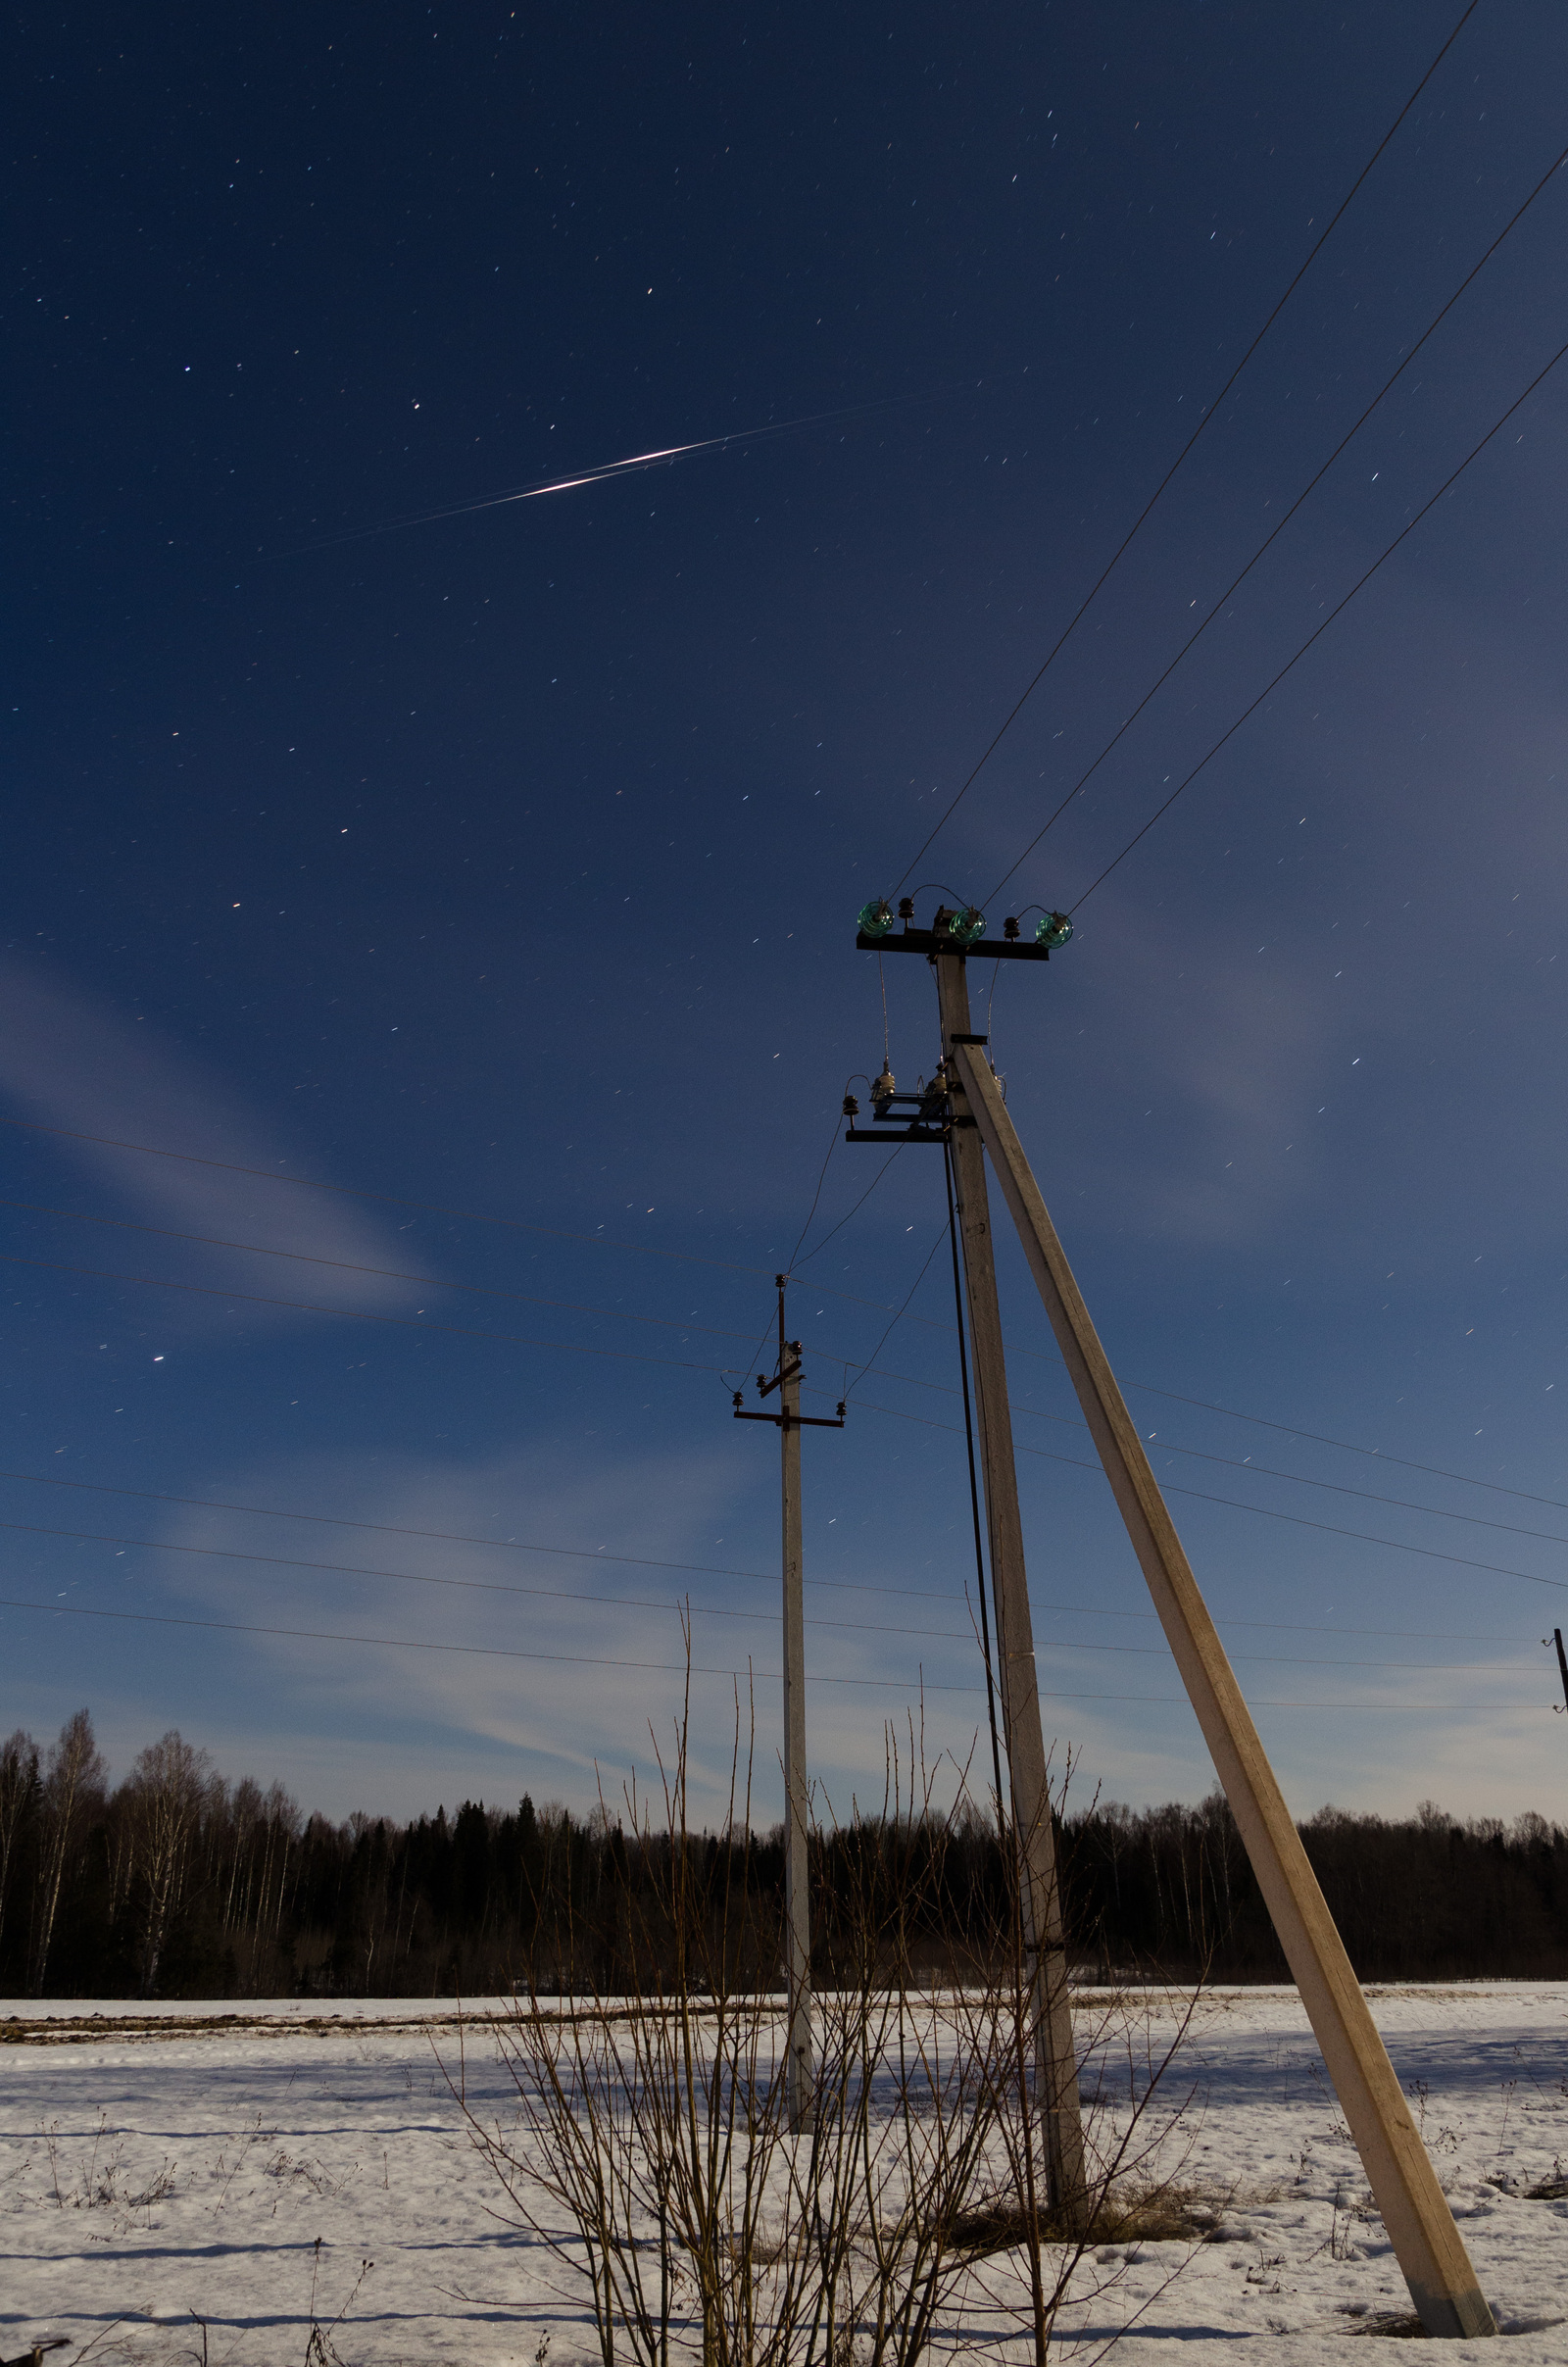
{"type": "Point", "coordinates": [683, 1364]}
{"type": "Point", "coordinates": [383, 1273]}
{"type": "Point", "coordinates": [827, 1290]}
{"type": "Point", "coordinates": [482, 1586]}
{"type": "Point", "coordinates": [909, 1294]}
{"type": "Point", "coordinates": [361, 1314]}
{"type": "Point", "coordinates": [390, 1200]}
{"type": "Point", "coordinates": [1339, 608]}
{"type": "Point", "coordinates": [1208, 414]}
{"type": "Point", "coordinates": [1200, 629]}
{"type": "Point", "coordinates": [1377, 1453]}
{"type": "Point", "coordinates": [513, 1224]}
{"type": "Point", "coordinates": [1463, 1479]}
{"type": "Point", "coordinates": [877, 1178]}
{"type": "Point", "coordinates": [1369, 1496]}
{"type": "Point", "coordinates": [496, 1651]}
{"type": "Point", "coordinates": [1297, 1520]}
{"type": "Point", "coordinates": [713, 1331]}
{"type": "Point", "coordinates": [708, 1569]}
{"type": "Point", "coordinates": [1298, 1479]}
{"type": "Point", "coordinates": [680, 1364]}
{"type": "Point", "coordinates": [832, 1146]}
{"type": "Point", "coordinates": [711, 1610]}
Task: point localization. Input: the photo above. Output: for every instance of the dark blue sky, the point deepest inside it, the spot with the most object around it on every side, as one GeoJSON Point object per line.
{"type": "Point", "coordinates": [499, 872]}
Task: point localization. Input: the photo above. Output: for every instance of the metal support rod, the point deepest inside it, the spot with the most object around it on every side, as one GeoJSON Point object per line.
{"type": "Point", "coordinates": [1413, 2207]}
{"type": "Point", "coordinates": [801, 2081]}
{"type": "Point", "coordinates": [1034, 1836]}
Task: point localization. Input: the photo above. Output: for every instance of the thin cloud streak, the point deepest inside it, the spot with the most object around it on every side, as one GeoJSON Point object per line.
{"type": "Point", "coordinates": [69, 1058]}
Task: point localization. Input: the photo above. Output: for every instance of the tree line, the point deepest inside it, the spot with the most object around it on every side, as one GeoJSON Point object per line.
{"type": "Point", "coordinates": [175, 1883]}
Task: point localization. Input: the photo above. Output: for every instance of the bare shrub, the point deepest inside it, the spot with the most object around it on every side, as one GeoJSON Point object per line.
{"type": "Point", "coordinates": [648, 2148]}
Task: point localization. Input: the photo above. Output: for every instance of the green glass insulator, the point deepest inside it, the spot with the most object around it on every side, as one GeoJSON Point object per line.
{"type": "Point", "coordinates": [1054, 930]}
{"type": "Point", "coordinates": [968, 927]}
{"type": "Point", "coordinates": [876, 918]}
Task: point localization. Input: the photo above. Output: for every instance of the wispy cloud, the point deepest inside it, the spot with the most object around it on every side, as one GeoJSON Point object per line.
{"type": "Point", "coordinates": [597, 1679]}
{"type": "Point", "coordinates": [104, 1079]}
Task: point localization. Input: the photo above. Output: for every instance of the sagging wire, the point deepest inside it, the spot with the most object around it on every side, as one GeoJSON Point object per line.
{"type": "Point", "coordinates": [796, 1262]}
{"type": "Point", "coordinates": [1319, 631]}
{"type": "Point", "coordinates": [1210, 410]}
{"type": "Point", "coordinates": [1084, 778]}
{"type": "Point", "coordinates": [974, 1497]}
{"type": "Point", "coordinates": [871, 1365]}
{"type": "Point", "coordinates": [832, 1143]}
{"type": "Point", "coordinates": [801, 1236]}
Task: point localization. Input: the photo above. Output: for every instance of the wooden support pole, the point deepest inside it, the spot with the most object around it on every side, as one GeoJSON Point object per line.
{"type": "Point", "coordinates": [1040, 1890]}
{"type": "Point", "coordinates": [801, 2083]}
{"type": "Point", "coordinates": [1414, 2210]}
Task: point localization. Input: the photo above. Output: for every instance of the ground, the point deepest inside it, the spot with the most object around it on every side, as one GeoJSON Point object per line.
{"type": "Point", "coordinates": [274, 2167]}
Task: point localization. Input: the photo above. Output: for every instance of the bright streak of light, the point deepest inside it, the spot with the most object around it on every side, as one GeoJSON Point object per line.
{"type": "Point", "coordinates": [604, 472]}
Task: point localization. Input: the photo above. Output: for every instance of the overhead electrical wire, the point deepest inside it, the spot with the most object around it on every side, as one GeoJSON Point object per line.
{"type": "Point", "coordinates": [708, 1569]}
{"type": "Point", "coordinates": [1199, 630]}
{"type": "Point", "coordinates": [1205, 418]}
{"type": "Point", "coordinates": [710, 1611]}
{"type": "Point", "coordinates": [854, 1210]}
{"type": "Point", "coordinates": [1370, 1496]}
{"type": "Point", "coordinates": [644, 1249]}
{"type": "Point", "coordinates": [1232, 1463]}
{"type": "Point", "coordinates": [1318, 631]}
{"type": "Point", "coordinates": [1348, 1447]}
{"type": "Point", "coordinates": [382, 1273]}
{"type": "Point", "coordinates": [513, 1224]}
{"type": "Point", "coordinates": [490, 1586]}
{"type": "Point", "coordinates": [678, 1668]}
{"type": "Point", "coordinates": [925, 1266]}
{"type": "Point", "coordinates": [361, 1314]}
{"type": "Point", "coordinates": [1297, 1520]}
{"type": "Point", "coordinates": [389, 1200]}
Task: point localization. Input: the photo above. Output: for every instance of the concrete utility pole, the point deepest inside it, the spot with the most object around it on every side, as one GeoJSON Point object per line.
{"type": "Point", "coordinates": [1039, 1886]}
{"type": "Point", "coordinates": [1414, 2209]}
{"type": "Point", "coordinates": [796, 1896]}
{"type": "Point", "coordinates": [800, 2071]}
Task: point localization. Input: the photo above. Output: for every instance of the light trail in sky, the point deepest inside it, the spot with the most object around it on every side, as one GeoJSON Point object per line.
{"type": "Point", "coordinates": [602, 473]}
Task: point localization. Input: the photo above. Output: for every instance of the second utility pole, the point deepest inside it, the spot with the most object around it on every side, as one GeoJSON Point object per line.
{"type": "Point", "coordinates": [800, 2073]}
{"type": "Point", "coordinates": [797, 1795]}
{"type": "Point", "coordinates": [1034, 1836]}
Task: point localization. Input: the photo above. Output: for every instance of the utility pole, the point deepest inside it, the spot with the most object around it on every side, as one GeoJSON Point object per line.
{"type": "Point", "coordinates": [1034, 1836]}
{"type": "Point", "coordinates": [800, 2069]}
{"type": "Point", "coordinates": [940, 1112]}
{"type": "Point", "coordinates": [1413, 2206]}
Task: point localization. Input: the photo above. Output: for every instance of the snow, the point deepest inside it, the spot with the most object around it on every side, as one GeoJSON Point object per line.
{"type": "Point", "coordinates": [237, 2164]}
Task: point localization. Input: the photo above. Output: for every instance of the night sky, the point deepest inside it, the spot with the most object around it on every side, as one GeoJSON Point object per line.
{"type": "Point", "coordinates": [498, 875]}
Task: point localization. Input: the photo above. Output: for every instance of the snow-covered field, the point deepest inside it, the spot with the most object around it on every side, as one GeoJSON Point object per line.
{"type": "Point", "coordinates": [188, 2164]}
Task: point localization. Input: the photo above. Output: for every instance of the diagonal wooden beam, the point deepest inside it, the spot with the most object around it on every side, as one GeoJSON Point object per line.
{"type": "Point", "coordinates": [1414, 2210]}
